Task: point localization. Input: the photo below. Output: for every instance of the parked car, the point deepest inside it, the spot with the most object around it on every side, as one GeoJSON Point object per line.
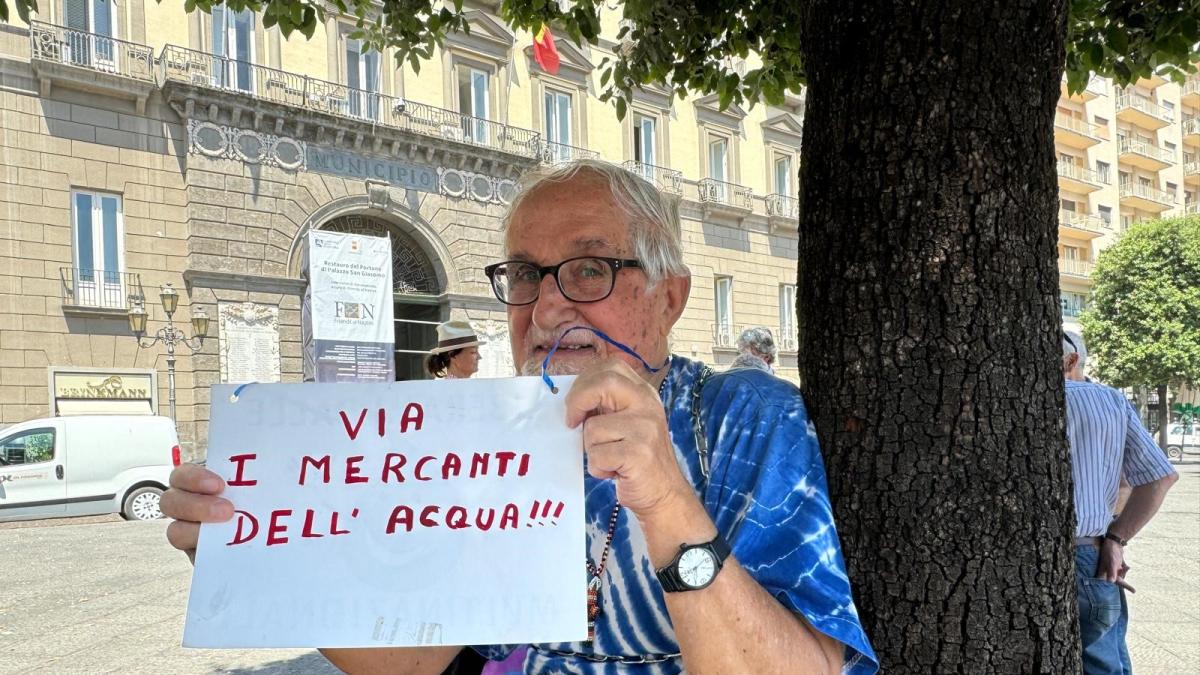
{"type": "Point", "coordinates": [1182, 438]}
{"type": "Point", "coordinates": [86, 465]}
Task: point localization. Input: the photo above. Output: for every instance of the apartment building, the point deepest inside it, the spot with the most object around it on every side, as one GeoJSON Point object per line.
{"type": "Point", "coordinates": [1124, 155]}
{"type": "Point", "coordinates": [143, 146]}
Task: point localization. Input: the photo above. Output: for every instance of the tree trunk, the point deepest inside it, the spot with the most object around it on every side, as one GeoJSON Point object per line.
{"type": "Point", "coordinates": [1141, 393]}
{"type": "Point", "coordinates": [929, 314]}
{"type": "Point", "coordinates": [1164, 416]}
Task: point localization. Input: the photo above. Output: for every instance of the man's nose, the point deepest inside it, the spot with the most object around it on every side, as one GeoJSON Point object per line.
{"type": "Point", "coordinates": [552, 308]}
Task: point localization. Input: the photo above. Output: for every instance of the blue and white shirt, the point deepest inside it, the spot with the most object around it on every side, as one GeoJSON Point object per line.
{"type": "Point", "coordinates": [1107, 442]}
{"type": "Point", "coordinates": [766, 493]}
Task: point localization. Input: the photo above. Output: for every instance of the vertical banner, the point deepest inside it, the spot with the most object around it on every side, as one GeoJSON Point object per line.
{"type": "Point", "coordinates": [348, 332]}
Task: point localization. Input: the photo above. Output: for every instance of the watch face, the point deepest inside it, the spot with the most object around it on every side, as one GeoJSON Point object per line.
{"type": "Point", "coordinates": [697, 567]}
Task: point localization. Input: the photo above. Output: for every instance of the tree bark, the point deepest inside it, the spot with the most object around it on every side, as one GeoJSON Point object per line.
{"type": "Point", "coordinates": [1164, 417]}
{"type": "Point", "coordinates": [929, 314]}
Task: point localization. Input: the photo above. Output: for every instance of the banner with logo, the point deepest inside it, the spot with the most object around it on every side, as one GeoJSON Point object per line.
{"type": "Point", "coordinates": [349, 335]}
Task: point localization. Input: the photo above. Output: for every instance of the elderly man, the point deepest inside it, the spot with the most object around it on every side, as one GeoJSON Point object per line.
{"type": "Point", "coordinates": [711, 545]}
{"type": "Point", "coordinates": [1108, 443]}
{"type": "Point", "coordinates": [756, 349]}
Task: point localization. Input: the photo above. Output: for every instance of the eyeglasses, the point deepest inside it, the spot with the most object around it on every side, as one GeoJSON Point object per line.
{"type": "Point", "coordinates": [584, 279]}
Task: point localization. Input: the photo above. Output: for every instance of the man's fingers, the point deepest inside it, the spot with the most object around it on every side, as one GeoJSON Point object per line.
{"type": "Point", "coordinates": [612, 387]}
{"type": "Point", "coordinates": [197, 508]}
{"type": "Point", "coordinates": [195, 478]}
{"type": "Point", "coordinates": [183, 535]}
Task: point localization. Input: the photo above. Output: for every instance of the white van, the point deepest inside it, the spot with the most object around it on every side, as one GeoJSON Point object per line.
{"type": "Point", "coordinates": [86, 465]}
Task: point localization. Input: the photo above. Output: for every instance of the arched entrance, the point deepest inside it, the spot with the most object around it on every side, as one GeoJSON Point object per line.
{"type": "Point", "coordinates": [415, 290]}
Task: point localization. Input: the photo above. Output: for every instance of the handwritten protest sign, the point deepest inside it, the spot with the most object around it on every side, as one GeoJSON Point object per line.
{"type": "Point", "coordinates": [399, 514]}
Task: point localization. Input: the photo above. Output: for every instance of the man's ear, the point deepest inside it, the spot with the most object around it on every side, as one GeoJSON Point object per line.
{"type": "Point", "coordinates": [676, 291]}
{"type": "Point", "coordinates": [1069, 363]}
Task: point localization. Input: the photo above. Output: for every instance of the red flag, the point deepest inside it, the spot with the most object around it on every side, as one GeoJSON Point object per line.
{"type": "Point", "coordinates": [544, 51]}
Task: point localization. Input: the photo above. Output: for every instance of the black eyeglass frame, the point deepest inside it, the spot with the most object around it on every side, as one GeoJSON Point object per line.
{"type": "Point", "coordinates": [616, 264]}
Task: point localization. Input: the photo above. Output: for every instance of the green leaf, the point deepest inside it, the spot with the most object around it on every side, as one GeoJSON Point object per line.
{"type": "Point", "coordinates": [621, 108]}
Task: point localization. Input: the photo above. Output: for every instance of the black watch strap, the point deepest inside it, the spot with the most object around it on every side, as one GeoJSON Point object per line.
{"type": "Point", "coordinates": [1113, 537]}
{"type": "Point", "coordinates": [669, 577]}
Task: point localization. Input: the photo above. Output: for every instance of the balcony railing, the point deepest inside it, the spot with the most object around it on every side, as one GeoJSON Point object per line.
{"type": "Point", "coordinates": [1075, 268]}
{"type": "Point", "coordinates": [92, 51]}
{"type": "Point", "coordinates": [206, 70]}
{"type": "Point", "coordinates": [1145, 149]}
{"type": "Point", "coordinates": [724, 335]}
{"type": "Point", "coordinates": [714, 191]}
{"type": "Point", "coordinates": [1080, 126]}
{"type": "Point", "coordinates": [1191, 168]}
{"type": "Point", "coordinates": [786, 340]}
{"type": "Point", "coordinates": [1072, 311]}
{"type": "Point", "coordinates": [666, 180]}
{"type": "Point", "coordinates": [1192, 86]}
{"type": "Point", "coordinates": [1146, 192]}
{"type": "Point", "coordinates": [1079, 173]}
{"type": "Point", "coordinates": [1145, 105]}
{"type": "Point", "coordinates": [1082, 221]}
{"type": "Point", "coordinates": [561, 153]}
{"type": "Point", "coordinates": [783, 206]}
{"type": "Point", "coordinates": [1191, 126]}
{"type": "Point", "coordinates": [100, 289]}
{"type": "Point", "coordinates": [1192, 208]}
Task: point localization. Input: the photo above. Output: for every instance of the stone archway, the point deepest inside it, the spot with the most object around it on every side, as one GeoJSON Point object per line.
{"type": "Point", "coordinates": [412, 271]}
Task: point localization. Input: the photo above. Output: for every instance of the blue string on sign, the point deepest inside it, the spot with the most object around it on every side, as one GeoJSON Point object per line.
{"type": "Point", "coordinates": [238, 392]}
{"type": "Point", "coordinates": [600, 334]}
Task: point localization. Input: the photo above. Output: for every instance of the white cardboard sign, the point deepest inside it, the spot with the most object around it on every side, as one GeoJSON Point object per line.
{"type": "Point", "coordinates": [390, 515]}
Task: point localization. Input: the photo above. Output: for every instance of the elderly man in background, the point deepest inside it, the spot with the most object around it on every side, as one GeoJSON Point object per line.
{"type": "Point", "coordinates": [1108, 443]}
{"type": "Point", "coordinates": [756, 349]}
{"type": "Point", "coordinates": [711, 543]}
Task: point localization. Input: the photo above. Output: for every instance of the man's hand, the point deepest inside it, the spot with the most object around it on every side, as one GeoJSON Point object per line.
{"type": "Point", "coordinates": [190, 501]}
{"type": "Point", "coordinates": [625, 437]}
{"type": "Point", "coordinates": [1112, 560]}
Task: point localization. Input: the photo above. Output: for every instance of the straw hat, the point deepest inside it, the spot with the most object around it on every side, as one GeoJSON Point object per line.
{"type": "Point", "coordinates": [454, 335]}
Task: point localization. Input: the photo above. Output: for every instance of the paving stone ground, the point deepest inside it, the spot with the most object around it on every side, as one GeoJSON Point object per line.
{"type": "Point", "coordinates": [100, 595]}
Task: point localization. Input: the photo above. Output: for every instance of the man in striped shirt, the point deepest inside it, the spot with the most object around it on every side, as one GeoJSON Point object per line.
{"type": "Point", "coordinates": [1108, 443]}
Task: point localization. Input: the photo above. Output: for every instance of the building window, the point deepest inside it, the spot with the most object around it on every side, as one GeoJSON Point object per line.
{"type": "Point", "coordinates": [1170, 109]}
{"type": "Point", "coordinates": [645, 139]}
{"type": "Point", "coordinates": [1066, 205]}
{"type": "Point", "coordinates": [1102, 121]}
{"type": "Point", "coordinates": [28, 447]}
{"type": "Point", "coordinates": [99, 251]}
{"type": "Point", "coordinates": [783, 175]}
{"type": "Point", "coordinates": [233, 43]}
{"type": "Point", "coordinates": [1073, 303]}
{"type": "Point", "coordinates": [1170, 148]}
{"type": "Point", "coordinates": [1071, 253]}
{"type": "Point", "coordinates": [557, 108]}
{"type": "Point", "coordinates": [1103, 172]}
{"type": "Point", "coordinates": [362, 79]}
{"type": "Point", "coordinates": [1105, 214]}
{"type": "Point", "coordinates": [94, 17]}
{"type": "Point", "coordinates": [1172, 190]}
{"type": "Point", "coordinates": [787, 317]}
{"type": "Point", "coordinates": [723, 291]}
{"type": "Point", "coordinates": [473, 93]}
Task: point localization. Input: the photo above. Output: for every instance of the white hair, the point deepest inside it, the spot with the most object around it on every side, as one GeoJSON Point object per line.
{"type": "Point", "coordinates": [758, 339]}
{"type": "Point", "coordinates": [1072, 343]}
{"type": "Point", "coordinates": [653, 218]}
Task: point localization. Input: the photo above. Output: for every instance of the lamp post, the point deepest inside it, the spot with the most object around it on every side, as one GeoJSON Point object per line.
{"type": "Point", "coordinates": [169, 335]}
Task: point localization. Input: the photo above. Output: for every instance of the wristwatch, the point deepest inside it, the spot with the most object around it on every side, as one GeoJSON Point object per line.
{"type": "Point", "coordinates": [695, 566]}
{"type": "Point", "coordinates": [1114, 537]}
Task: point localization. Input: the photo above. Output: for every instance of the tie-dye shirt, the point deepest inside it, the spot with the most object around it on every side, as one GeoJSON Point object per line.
{"type": "Point", "coordinates": [765, 492]}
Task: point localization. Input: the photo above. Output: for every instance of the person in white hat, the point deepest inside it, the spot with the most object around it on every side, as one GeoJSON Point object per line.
{"type": "Point", "coordinates": [456, 356]}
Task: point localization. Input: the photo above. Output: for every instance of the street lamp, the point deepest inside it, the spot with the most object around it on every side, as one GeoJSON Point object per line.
{"type": "Point", "coordinates": [169, 335]}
